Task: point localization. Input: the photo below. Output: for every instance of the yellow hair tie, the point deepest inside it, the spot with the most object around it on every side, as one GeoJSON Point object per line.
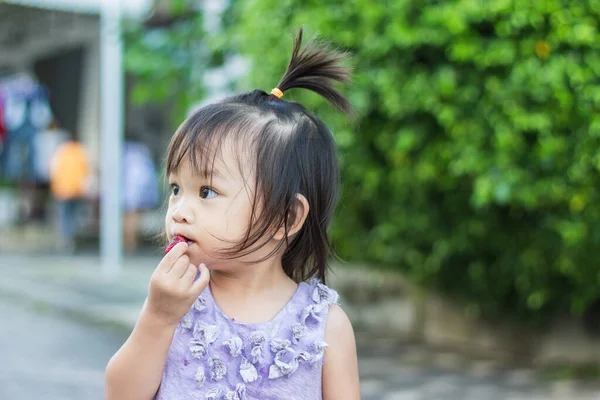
{"type": "Point", "coordinates": [277, 93]}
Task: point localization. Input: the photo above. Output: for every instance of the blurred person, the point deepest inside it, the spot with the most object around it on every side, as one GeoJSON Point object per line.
{"type": "Point", "coordinates": [69, 182]}
{"type": "Point", "coordinates": [140, 189]}
{"type": "Point", "coordinates": [254, 181]}
{"type": "Point", "coordinates": [45, 145]}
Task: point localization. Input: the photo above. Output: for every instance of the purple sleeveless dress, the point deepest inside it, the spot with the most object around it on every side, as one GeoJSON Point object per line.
{"type": "Point", "coordinates": [215, 357]}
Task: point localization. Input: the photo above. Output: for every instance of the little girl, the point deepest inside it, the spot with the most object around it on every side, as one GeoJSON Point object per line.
{"type": "Point", "coordinates": [254, 183]}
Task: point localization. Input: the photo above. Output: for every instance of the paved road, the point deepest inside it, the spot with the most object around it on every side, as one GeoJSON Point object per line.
{"type": "Point", "coordinates": [45, 356]}
{"type": "Point", "coordinates": [411, 372]}
{"type": "Point", "coordinates": [48, 356]}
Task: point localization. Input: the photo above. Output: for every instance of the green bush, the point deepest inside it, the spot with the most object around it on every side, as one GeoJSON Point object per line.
{"type": "Point", "coordinates": [474, 163]}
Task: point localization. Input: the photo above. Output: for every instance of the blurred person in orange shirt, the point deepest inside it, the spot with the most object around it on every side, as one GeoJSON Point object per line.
{"type": "Point", "coordinates": [70, 175]}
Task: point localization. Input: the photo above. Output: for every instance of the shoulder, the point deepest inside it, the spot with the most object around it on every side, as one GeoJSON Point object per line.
{"type": "Point", "coordinates": [340, 370]}
{"type": "Point", "coordinates": [338, 325]}
{"type": "Point", "coordinates": [338, 329]}
{"type": "Point", "coordinates": [339, 334]}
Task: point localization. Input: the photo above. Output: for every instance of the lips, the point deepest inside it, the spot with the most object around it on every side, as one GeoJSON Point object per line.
{"type": "Point", "coordinates": [177, 239]}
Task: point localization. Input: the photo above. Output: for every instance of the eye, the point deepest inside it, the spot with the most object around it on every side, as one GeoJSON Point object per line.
{"type": "Point", "coordinates": [174, 190]}
{"type": "Point", "coordinates": [207, 193]}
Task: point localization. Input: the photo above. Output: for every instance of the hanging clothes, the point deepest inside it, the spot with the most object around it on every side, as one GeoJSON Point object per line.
{"type": "Point", "coordinates": [45, 145]}
{"type": "Point", "coordinates": [25, 112]}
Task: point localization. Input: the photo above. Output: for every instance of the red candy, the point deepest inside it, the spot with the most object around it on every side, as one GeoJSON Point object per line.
{"type": "Point", "coordinates": [176, 239]}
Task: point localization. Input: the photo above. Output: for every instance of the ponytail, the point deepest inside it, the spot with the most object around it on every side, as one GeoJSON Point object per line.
{"type": "Point", "coordinates": [316, 67]}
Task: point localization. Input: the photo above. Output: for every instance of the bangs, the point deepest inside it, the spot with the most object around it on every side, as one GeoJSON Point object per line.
{"type": "Point", "coordinates": [202, 136]}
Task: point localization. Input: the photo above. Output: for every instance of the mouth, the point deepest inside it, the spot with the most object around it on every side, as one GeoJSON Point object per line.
{"type": "Point", "coordinates": [178, 239]}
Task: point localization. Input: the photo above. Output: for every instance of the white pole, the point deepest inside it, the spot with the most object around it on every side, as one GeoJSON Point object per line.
{"type": "Point", "coordinates": [112, 96]}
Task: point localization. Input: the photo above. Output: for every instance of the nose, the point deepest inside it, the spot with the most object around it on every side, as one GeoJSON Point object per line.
{"type": "Point", "coordinates": [182, 213]}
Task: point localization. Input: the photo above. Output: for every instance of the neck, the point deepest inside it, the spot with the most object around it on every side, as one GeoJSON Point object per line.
{"type": "Point", "coordinates": [250, 279]}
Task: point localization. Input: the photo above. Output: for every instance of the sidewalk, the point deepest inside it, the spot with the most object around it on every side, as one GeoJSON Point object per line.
{"type": "Point", "coordinates": [76, 286]}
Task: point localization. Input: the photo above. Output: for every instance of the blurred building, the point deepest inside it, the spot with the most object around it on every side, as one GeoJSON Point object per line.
{"type": "Point", "coordinates": [56, 43]}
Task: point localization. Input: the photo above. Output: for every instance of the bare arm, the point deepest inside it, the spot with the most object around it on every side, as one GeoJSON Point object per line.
{"type": "Point", "coordinates": [340, 371]}
{"type": "Point", "coordinates": [135, 371]}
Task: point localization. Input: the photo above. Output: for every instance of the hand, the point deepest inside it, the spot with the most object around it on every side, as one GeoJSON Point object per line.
{"type": "Point", "coordinates": [172, 288]}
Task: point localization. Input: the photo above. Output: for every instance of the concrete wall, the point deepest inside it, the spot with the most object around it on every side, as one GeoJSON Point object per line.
{"type": "Point", "coordinates": [386, 302]}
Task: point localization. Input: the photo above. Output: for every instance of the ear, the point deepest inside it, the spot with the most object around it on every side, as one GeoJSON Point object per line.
{"type": "Point", "coordinates": [296, 218]}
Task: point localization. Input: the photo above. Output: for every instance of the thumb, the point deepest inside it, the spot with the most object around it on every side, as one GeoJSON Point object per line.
{"type": "Point", "coordinates": [200, 284]}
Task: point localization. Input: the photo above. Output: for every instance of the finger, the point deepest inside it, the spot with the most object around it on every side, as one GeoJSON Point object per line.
{"type": "Point", "coordinates": [201, 283]}
{"type": "Point", "coordinates": [170, 258]}
{"type": "Point", "coordinates": [189, 275]}
{"type": "Point", "coordinates": [179, 268]}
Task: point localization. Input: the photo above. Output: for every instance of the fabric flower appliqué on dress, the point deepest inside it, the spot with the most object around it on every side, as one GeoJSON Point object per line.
{"type": "Point", "coordinates": [214, 394]}
{"type": "Point", "coordinates": [197, 348]}
{"type": "Point", "coordinates": [204, 335]}
{"type": "Point", "coordinates": [280, 344]}
{"type": "Point", "coordinates": [199, 304]}
{"type": "Point", "coordinates": [238, 394]}
{"type": "Point", "coordinates": [322, 294]}
{"type": "Point", "coordinates": [205, 332]}
{"type": "Point", "coordinates": [285, 364]}
{"type": "Point", "coordinates": [187, 320]}
{"type": "Point", "coordinates": [248, 371]}
{"type": "Point", "coordinates": [200, 376]}
{"type": "Point", "coordinates": [318, 350]}
{"type": "Point", "coordinates": [235, 346]}
{"type": "Point", "coordinates": [257, 340]}
{"type": "Point", "coordinates": [218, 369]}
{"type": "Point", "coordinates": [313, 312]}
{"type": "Point", "coordinates": [298, 332]}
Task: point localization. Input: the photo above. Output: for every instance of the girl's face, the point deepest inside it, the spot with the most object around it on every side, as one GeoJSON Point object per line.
{"type": "Point", "coordinates": [213, 213]}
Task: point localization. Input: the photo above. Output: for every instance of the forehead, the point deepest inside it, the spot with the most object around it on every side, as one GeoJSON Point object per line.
{"type": "Point", "coordinates": [226, 161]}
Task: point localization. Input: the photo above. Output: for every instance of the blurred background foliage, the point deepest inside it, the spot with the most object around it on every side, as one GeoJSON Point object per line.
{"type": "Point", "coordinates": [166, 59]}
{"type": "Point", "coordinates": [473, 163]}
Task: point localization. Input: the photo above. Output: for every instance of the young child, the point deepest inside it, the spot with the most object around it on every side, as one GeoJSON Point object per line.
{"type": "Point", "coordinates": [254, 183]}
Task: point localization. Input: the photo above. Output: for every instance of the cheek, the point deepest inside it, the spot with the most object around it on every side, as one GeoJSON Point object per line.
{"type": "Point", "coordinates": [168, 223]}
{"type": "Point", "coordinates": [238, 219]}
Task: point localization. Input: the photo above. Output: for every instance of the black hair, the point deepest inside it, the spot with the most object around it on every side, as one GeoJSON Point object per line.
{"type": "Point", "coordinates": [292, 150]}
